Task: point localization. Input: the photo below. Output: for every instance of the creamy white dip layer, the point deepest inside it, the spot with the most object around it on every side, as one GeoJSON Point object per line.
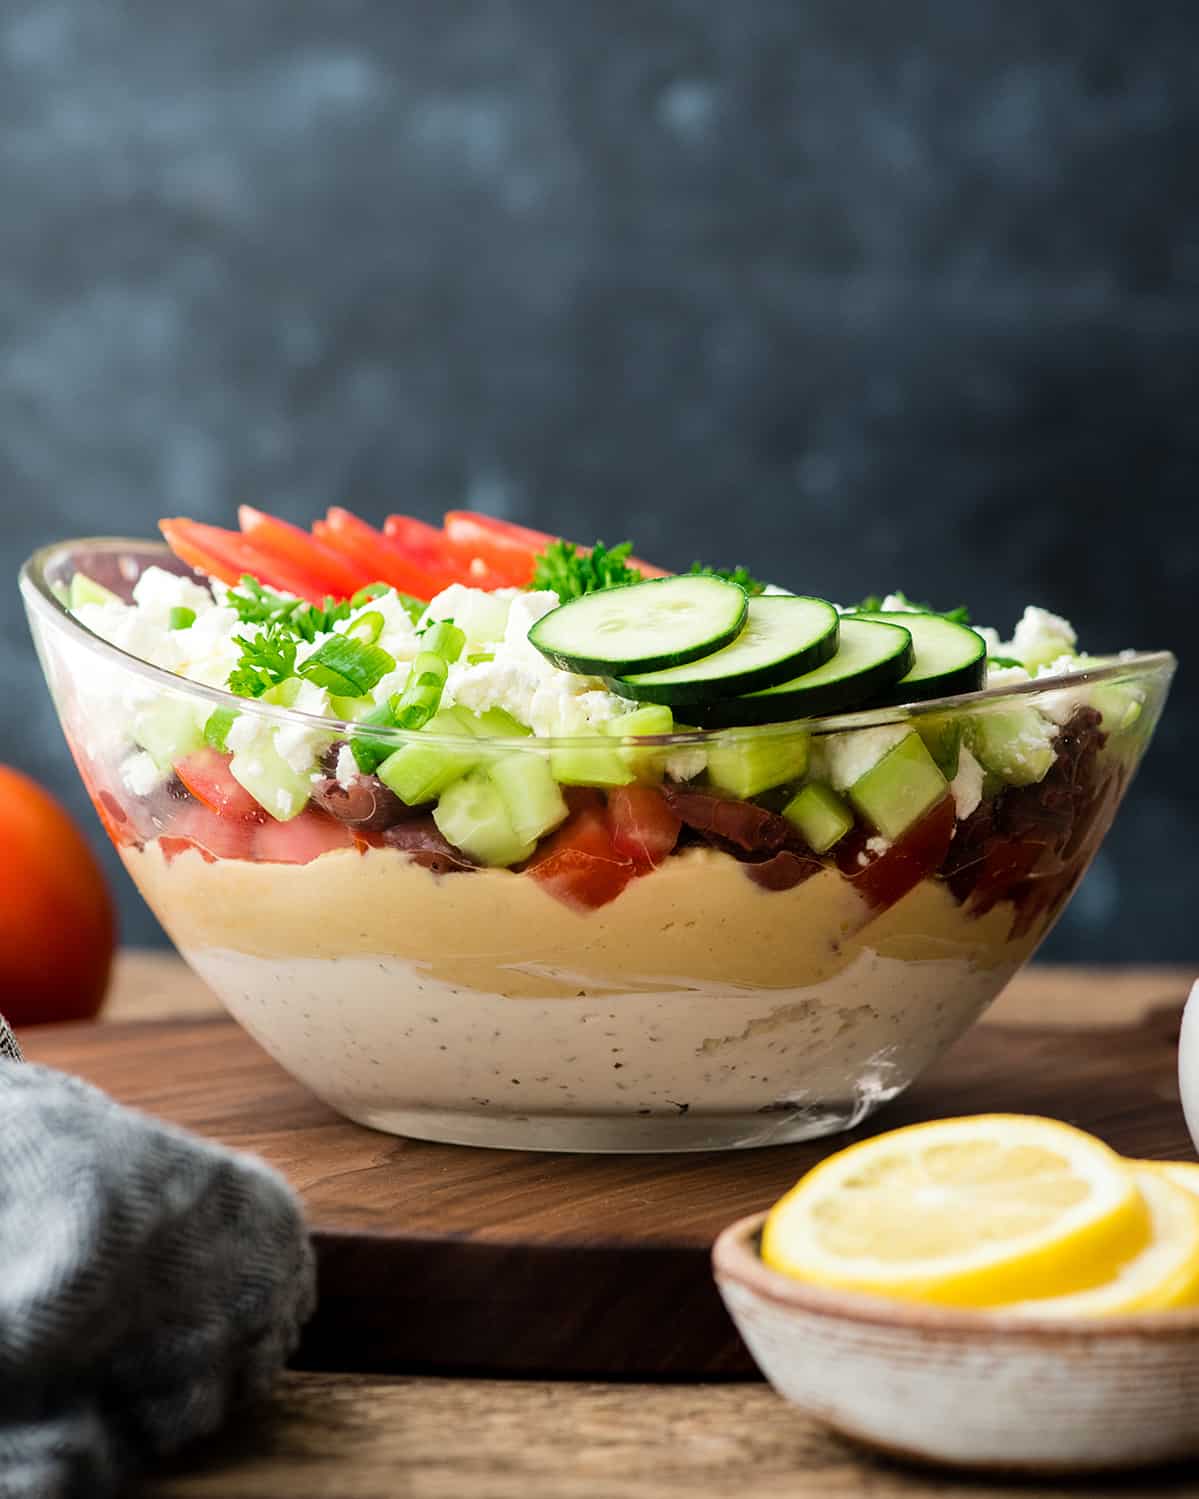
{"type": "Point", "coordinates": [391, 991]}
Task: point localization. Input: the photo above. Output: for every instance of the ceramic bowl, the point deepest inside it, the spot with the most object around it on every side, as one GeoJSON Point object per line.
{"type": "Point", "coordinates": [975, 1390]}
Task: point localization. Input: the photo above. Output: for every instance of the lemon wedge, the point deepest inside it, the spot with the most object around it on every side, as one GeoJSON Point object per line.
{"type": "Point", "coordinates": [969, 1212]}
{"type": "Point", "coordinates": [1165, 1273]}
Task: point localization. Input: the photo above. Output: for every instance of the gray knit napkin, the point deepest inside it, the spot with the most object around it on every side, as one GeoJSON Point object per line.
{"type": "Point", "coordinates": [149, 1283]}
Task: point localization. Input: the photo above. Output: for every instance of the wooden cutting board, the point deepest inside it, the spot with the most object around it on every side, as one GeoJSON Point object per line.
{"type": "Point", "coordinates": [439, 1257]}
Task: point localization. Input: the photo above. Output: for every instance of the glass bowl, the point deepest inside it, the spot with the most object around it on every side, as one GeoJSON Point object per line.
{"type": "Point", "coordinates": [739, 990]}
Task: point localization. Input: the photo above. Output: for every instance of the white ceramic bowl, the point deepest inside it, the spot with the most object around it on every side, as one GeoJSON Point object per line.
{"type": "Point", "coordinates": [980, 1390]}
{"type": "Point", "coordinates": [1188, 1064]}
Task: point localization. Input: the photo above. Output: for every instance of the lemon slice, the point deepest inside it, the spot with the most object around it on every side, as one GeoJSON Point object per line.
{"type": "Point", "coordinates": [1181, 1173]}
{"type": "Point", "coordinates": [1164, 1274]}
{"type": "Point", "coordinates": [963, 1212]}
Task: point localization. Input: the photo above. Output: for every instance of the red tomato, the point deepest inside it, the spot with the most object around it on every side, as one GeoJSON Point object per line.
{"type": "Point", "coordinates": [289, 544]}
{"type": "Point", "coordinates": [197, 827]}
{"type": "Point", "coordinates": [57, 929]}
{"type": "Point", "coordinates": [206, 775]}
{"type": "Point", "coordinates": [580, 865]}
{"type": "Point", "coordinates": [887, 877]}
{"type": "Point", "coordinates": [227, 555]}
{"type": "Point", "coordinates": [301, 840]}
{"type": "Point", "coordinates": [644, 829]}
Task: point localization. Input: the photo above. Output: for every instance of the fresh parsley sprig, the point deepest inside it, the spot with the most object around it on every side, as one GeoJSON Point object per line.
{"type": "Point", "coordinates": [873, 603]}
{"type": "Point", "coordinates": [266, 659]}
{"type": "Point", "coordinates": [739, 575]}
{"type": "Point", "coordinates": [571, 571]}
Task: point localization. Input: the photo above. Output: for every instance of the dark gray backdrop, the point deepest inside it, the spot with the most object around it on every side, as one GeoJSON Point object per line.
{"type": "Point", "coordinates": [862, 294]}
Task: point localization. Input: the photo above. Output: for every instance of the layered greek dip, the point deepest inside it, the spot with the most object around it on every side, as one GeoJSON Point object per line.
{"type": "Point", "coordinates": [566, 838]}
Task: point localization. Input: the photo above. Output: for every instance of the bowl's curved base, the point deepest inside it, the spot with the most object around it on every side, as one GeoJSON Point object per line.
{"type": "Point", "coordinates": [621, 1134]}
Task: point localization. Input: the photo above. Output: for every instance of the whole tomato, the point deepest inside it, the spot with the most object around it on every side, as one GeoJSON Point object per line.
{"type": "Point", "coordinates": [57, 930]}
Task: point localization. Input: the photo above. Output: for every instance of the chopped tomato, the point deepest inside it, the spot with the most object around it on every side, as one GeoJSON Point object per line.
{"type": "Point", "coordinates": [228, 554]}
{"type": "Point", "coordinates": [195, 826]}
{"type": "Point", "coordinates": [508, 548]}
{"type": "Point", "coordinates": [371, 550]}
{"type": "Point", "coordinates": [580, 864]}
{"type": "Point", "coordinates": [341, 577]}
{"type": "Point", "coordinates": [301, 840]}
{"type": "Point", "coordinates": [644, 829]}
{"type": "Point", "coordinates": [206, 775]}
{"type": "Point", "coordinates": [886, 878]}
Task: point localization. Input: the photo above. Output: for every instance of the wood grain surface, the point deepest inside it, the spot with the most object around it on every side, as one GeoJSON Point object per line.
{"type": "Point", "coordinates": [445, 1258]}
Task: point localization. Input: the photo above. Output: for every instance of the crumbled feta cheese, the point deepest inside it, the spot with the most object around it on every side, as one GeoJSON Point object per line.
{"type": "Point", "coordinates": [847, 757]}
{"type": "Point", "coordinates": [157, 592]}
{"type": "Point", "coordinates": [966, 788]}
{"type": "Point", "coordinates": [895, 603]}
{"type": "Point", "coordinates": [481, 616]}
{"type": "Point", "coordinates": [686, 762]}
{"type": "Point", "coordinates": [296, 743]}
{"type": "Point", "coordinates": [141, 775]}
{"type": "Point", "coordinates": [877, 846]}
{"type": "Point", "coordinates": [1006, 676]}
{"type": "Point", "coordinates": [1040, 637]}
{"type": "Point", "coordinates": [347, 767]}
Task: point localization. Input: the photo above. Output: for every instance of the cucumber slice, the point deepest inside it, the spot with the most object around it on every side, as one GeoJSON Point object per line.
{"type": "Point", "coordinates": [785, 635]}
{"type": "Point", "coordinates": [750, 768]}
{"type": "Point", "coordinates": [419, 772]}
{"type": "Point", "coordinates": [531, 795]}
{"type": "Point", "coordinates": [821, 816]}
{"type": "Point", "coordinates": [900, 789]}
{"type": "Point", "coordinates": [473, 817]}
{"type": "Point", "coordinates": [950, 658]}
{"type": "Point", "coordinates": [639, 627]}
{"type": "Point", "coordinates": [871, 656]}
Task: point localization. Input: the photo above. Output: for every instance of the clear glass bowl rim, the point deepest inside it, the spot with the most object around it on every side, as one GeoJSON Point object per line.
{"type": "Point", "coordinates": [40, 597]}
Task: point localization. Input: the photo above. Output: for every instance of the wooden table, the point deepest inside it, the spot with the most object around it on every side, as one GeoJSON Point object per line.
{"type": "Point", "coordinates": [366, 1437]}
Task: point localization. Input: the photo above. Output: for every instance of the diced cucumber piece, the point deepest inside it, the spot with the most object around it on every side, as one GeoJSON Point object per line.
{"type": "Point", "coordinates": [647, 762]}
{"type": "Point", "coordinates": [1119, 703]}
{"type": "Point", "coordinates": [640, 627]}
{"type": "Point", "coordinates": [270, 780]}
{"type": "Point", "coordinates": [900, 789]}
{"type": "Point", "coordinates": [351, 709]}
{"type": "Point", "coordinates": [498, 723]}
{"type": "Point", "coordinates": [283, 694]}
{"type": "Point", "coordinates": [168, 729]}
{"type": "Point", "coordinates": [950, 658]}
{"type": "Point", "coordinates": [784, 636]}
{"type": "Point", "coordinates": [85, 590]}
{"type": "Point", "coordinates": [820, 815]}
{"type": "Point", "coordinates": [756, 765]}
{"type": "Point", "coordinates": [473, 816]}
{"type": "Point", "coordinates": [601, 764]}
{"type": "Point", "coordinates": [531, 795]}
{"type": "Point", "coordinates": [1016, 743]}
{"type": "Point", "coordinates": [942, 735]}
{"type": "Point", "coordinates": [481, 616]}
{"type": "Point", "coordinates": [419, 772]}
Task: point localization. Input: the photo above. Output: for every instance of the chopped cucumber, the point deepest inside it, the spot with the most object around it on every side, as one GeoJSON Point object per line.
{"type": "Point", "coordinates": [820, 815]}
{"type": "Point", "coordinates": [419, 772]}
{"type": "Point", "coordinates": [473, 816]}
{"type": "Point", "coordinates": [601, 764]}
{"type": "Point", "coordinates": [754, 766]}
{"type": "Point", "coordinates": [950, 658]}
{"type": "Point", "coordinates": [85, 590]}
{"type": "Point", "coordinates": [217, 726]}
{"type": "Point", "coordinates": [871, 656]}
{"type": "Point", "coordinates": [168, 728]}
{"type": "Point", "coordinates": [900, 789]}
{"type": "Point", "coordinates": [942, 735]}
{"type": "Point", "coordinates": [638, 627]}
{"type": "Point", "coordinates": [498, 723]}
{"type": "Point", "coordinates": [1017, 744]}
{"type": "Point", "coordinates": [784, 636]}
{"type": "Point", "coordinates": [647, 762]}
{"type": "Point", "coordinates": [283, 694]}
{"type": "Point", "coordinates": [270, 780]}
{"type": "Point", "coordinates": [531, 795]}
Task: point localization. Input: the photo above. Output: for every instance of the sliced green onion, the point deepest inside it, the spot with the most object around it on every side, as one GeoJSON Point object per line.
{"type": "Point", "coordinates": [369, 753]}
{"type": "Point", "coordinates": [480, 657]}
{"type": "Point", "coordinates": [367, 627]}
{"type": "Point", "coordinates": [348, 668]}
{"type": "Point", "coordinates": [182, 617]}
{"type": "Point", "coordinates": [443, 639]}
{"type": "Point", "coordinates": [413, 608]}
{"type": "Point", "coordinates": [371, 591]}
{"type": "Point", "coordinates": [216, 730]}
{"type": "Point", "coordinates": [421, 696]}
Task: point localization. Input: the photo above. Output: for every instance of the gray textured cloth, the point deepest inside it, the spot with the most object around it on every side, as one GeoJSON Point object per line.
{"type": "Point", "coordinates": [149, 1282]}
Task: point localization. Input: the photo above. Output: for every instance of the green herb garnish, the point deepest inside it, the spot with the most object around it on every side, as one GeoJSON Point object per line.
{"type": "Point", "coordinates": [217, 726]}
{"type": "Point", "coordinates": [873, 604]}
{"type": "Point", "coordinates": [739, 575]}
{"type": "Point", "coordinates": [348, 668]}
{"type": "Point", "coordinates": [1004, 661]}
{"type": "Point", "coordinates": [257, 605]}
{"type": "Point", "coordinates": [266, 660]}
{"type": "Point", "coordinates": [570, 572]}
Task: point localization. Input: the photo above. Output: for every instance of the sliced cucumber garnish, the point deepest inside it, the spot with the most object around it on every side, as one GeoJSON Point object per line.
{"type": "Point", "coordinates": [641, 626]}
{"type": "Point", "coordinates": [784, 636]}
{"type": "Point", "coordinates": [871, 656]}
{"type": "Point", "coordinates": [950, 658]}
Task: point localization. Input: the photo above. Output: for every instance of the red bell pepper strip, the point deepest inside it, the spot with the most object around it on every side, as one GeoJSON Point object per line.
{"type": "Point", "coordinates": [342, 578]}
{"type": "Point", "coordinates": [227, 555]}
{"type": "Point", "coordinates": [372, 550]}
